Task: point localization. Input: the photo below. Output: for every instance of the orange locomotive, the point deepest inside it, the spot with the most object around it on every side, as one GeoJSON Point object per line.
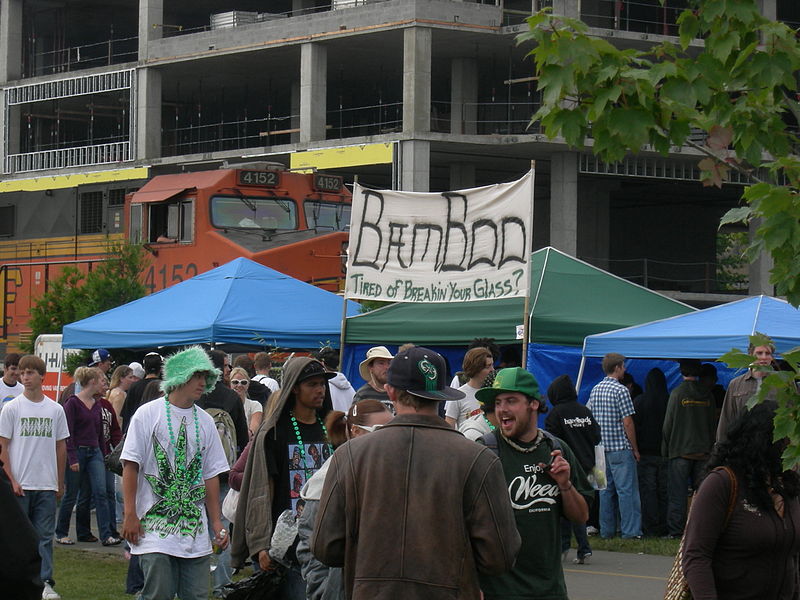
{"type": "Point", "coordinates": [296, 223]}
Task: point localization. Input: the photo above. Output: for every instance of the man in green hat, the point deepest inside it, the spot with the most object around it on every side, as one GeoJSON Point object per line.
{"type": "Point", "coordinates": [545, 483]}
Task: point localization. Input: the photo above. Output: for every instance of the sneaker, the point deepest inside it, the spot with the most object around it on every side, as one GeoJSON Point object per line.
{"type": "Point", "coordinates": [582, 560]}
{"type": "Point", "coordinates": [111, 541]}
{"type": "Point", "coordinates": [591, 530]}
{"type": "Point", "coordinates": [48, 593]}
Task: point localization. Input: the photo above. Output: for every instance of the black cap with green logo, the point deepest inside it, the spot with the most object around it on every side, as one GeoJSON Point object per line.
{"type": "Point", "coordinates": [422, 372]}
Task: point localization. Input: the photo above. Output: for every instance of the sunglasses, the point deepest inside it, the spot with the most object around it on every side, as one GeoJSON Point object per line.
{"type": "Point", "coordinates": [240, 382]}
{"type": "Point", "coordinates": [369, 428]}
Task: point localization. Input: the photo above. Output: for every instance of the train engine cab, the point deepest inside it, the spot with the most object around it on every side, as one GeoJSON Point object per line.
{"type": "Point", "coordinates": [295, 223]}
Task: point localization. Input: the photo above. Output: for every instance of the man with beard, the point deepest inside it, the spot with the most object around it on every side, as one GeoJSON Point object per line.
{"type": "Point", "coordinates": [280, 458]}
{"type": "Point", "coordinates": [373, 370]}
{"type": "Point", "coordinates": [545, 483]}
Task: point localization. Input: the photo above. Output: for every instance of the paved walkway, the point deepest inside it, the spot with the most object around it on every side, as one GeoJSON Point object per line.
{"type": "Point", "coordinates": [618, 576]}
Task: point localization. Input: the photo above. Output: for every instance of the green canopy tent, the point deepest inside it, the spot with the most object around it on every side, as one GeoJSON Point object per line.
{"type": "Point", "coordinates": [569, 299]}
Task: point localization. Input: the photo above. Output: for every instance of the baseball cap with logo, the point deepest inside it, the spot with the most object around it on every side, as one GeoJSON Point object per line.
{"type": "Point", "coordinates": [422, 372]}
{"type": "Point", "coordinates": [98, 356]}
{"type": "Point", "coordinates": [515, 379]}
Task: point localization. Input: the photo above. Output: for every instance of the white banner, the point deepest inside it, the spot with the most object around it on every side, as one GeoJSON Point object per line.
{"type": "Point", "coordinates": [441, 247]}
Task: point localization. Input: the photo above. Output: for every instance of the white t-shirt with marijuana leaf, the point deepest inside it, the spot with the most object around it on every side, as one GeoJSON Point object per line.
{"type": "Point", "coordinates": [170, 493]}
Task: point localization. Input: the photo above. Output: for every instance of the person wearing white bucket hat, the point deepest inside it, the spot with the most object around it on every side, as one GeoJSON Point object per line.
{"type": "Point", "coordinates": [373, 370]}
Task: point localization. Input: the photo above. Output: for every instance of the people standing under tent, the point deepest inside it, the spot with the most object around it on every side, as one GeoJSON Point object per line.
{"type": "Point", "coordinates": [172, 460]}
{"type": "Point", "coordinates": [687, 441]}
{"type": "Point", "coordinates": [572, 422]}
{"type": "Point", "coordinates": [342, 393]}
{"type": "Point", "coordinates": [256, 390]}
{"type": "Point", "coordinates": [152, 373]}
{"type": "Point", "coordinates": [745, 386]}
{"type": "Point", "coordinates": [33, 434]}
{"type": "Point", "coordinates": [611, 404]}
{"type": "Point", "coordinates": [414, 510]}
{"type": "Point", "coordinates": [460, 378]}
{"type": "Point", "coordinates": [367, 416]}
{"type": "Point", "coordinates": [253, 411]}
{"type": "Point", "coordinates": [85, 457]}
{"type": "Point", "coordinates": [651, 407]}
{"type": "Point", "coordinates": [477, 366]}
{"type": "Point", "coordinates": [373, 370]}
{"type": "Point", "coordinates": [121, 381]}
{"type": "Point", "coordinates": [280, 457]}
{"type": "Point", "coordinates": [262, 363]}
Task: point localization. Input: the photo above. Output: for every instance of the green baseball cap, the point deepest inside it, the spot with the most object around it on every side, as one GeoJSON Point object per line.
{"type": "Point", "coordinates": [515, 379]}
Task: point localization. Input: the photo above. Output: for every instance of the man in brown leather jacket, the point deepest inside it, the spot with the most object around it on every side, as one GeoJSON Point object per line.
{"type": "Point", "coordinates": [415, 510]}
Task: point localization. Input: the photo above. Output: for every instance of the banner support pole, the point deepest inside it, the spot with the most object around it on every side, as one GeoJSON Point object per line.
{"type": "Point", "coordinates": [344, 300]}
{"type": "Point", "coordinates": [527, 305]}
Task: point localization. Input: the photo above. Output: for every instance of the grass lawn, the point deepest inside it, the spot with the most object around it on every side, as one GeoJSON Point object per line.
{"type": "Point", "coordinates": [644, 546]}
{"type": "Point", "coordinates": [82, 575]}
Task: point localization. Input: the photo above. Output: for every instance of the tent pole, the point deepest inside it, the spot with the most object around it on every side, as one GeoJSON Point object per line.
{"type": "Point", "coordinates": [526, 318]}
{"type": "Point", "coordinates": [580, 374]}
{"type": "Point", "coordinates": [60, 370]}
{"type": "Point", "coordinates": [344, 299]}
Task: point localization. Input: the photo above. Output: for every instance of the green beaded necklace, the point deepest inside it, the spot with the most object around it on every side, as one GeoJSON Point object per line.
{"type": "Point", "coordinates": [172, 441]}
{"type": "Point", "coordinates": [296, 428]}
{"type": "Point", "coordinates": [489, 423]}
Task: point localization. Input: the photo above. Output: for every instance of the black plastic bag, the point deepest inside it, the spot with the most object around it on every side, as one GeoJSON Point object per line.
{"type": "Point", "coordinates": [261, 586]}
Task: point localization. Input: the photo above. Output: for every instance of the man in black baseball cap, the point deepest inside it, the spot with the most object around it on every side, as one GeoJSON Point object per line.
{"type": "Point", "coordinates": [430, 507]}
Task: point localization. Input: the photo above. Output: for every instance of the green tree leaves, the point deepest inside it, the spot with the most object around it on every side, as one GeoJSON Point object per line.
{"type": "Point", "coordinates": [74, 296]}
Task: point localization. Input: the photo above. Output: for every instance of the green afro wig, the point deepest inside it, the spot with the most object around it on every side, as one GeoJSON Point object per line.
{"type": "Point", "coordinates": [179, 368]}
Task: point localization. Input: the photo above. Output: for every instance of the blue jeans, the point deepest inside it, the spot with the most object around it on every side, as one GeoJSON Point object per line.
{"type": "Point", "coordinates": [621, 494]}
{"type": "Point", "coordinates": [92, 468]}
{"type": "Point", "coordinates": [40, 507]}
{"type": "Point", "coordinates": [582, 540]}
{"type": "Point", "coordinates": [83, 514]}
{"type": "Point", "coordinates": [168, 576]}
{"type": "Point", "coordinates": [652, 472]}
{"type": "Point", "coordinates": [684, 473]}
{"type": "Point", "coordinates": [221, 563]}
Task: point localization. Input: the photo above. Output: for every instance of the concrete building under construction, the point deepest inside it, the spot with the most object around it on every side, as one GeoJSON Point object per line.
{"type": "Point", "coordinates": [423, 95]}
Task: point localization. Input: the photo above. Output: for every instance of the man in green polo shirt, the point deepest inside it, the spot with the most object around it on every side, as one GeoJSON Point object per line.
{"type": "Point", "coordinates": [545, 482]}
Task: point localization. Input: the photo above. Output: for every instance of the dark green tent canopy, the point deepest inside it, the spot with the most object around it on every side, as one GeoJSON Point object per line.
{"type": "Point", "coordinates": [570, 299]}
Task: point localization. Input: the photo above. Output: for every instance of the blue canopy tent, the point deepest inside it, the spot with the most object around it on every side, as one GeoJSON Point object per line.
{"type": "Point", "coordinates": [240, 303]}
{"type": "Point", "coordinates": [705, 334]}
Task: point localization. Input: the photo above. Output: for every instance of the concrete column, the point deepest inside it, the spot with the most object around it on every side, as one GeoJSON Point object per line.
{"type": "Point", "coordinates": [10, 40]}
{"type": "Point", "coordinates": [464, 96]}
{"type": "Point", "coordinates": [151, 24]}
{"type": "Point", "coordinates": [415, 166]}
{"type": "Point", "coordinates": [295, 110]}
{"type": "Point", "coordinates": [769, 9]}
{"type": "Point", "coordinates": [564, 202]}
{"type": "Point", "coordinates": [759, 269]}
{"type": "Point", "coordinates": [416, 79]}
{"type": "Point", "coordinates": [462, 176]}
{"type": "Point", "coordinates": [148, 113]}
{"type": "Point", "coordinates": [313, 91]}
{"type": "Point", "coordinates": [567, 8]}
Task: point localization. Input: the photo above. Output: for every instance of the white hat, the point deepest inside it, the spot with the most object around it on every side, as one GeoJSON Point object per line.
{"type": "Point", "coordinates": [372, 354]}
{"type": "Point", "coordinates": [138, 369]}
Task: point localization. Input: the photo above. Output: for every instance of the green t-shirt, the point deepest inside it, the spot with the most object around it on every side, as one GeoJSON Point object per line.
{"type": "Point", "coordinates": [536, 501]}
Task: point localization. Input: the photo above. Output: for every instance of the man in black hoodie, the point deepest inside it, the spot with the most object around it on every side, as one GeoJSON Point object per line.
{"type": "Point", "coordinates": [573, 422]}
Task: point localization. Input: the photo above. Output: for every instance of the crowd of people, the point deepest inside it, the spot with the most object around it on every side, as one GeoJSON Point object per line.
{"type": "Point", "coordinates": [413, 485]}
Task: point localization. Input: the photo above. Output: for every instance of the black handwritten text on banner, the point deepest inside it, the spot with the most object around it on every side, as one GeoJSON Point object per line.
{"type": "Point", "coordinates": [441, 247]}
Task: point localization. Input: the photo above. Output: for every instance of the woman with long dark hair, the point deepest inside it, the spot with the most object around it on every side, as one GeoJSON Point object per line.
{"type": "Point", "coordinates": [743, 535]}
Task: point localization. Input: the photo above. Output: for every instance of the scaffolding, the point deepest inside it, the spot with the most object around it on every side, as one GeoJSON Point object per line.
{"type": "Point", "coordinates": [114, 149]}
